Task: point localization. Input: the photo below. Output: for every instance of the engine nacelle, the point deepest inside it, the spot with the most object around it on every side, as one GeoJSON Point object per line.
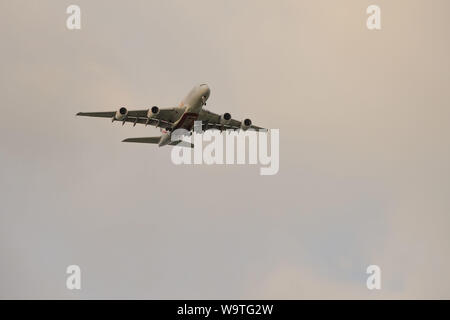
{"type": "Point", "coordinates": [121, 114]}
{"type": "Point", "coordinates": [246, 124]}
{"type": "Point", "coordinates": [225, 118]}
{"type": "Point", "coordinates": [153, 112]}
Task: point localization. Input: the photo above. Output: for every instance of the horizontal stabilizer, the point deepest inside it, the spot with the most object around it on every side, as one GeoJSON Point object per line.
{"type": "Point", "coordinates": [154, 140]}
{"type": "Point", "coordinates": [183, 144]}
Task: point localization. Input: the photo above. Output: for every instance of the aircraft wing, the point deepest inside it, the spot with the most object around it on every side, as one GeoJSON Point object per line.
{"type": "Point", "coordinates": [165, 118]}
{"type": "Point", "coordinates": [212, 120]}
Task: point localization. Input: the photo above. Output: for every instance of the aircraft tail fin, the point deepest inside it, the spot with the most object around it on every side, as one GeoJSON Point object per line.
{"type": "Point", "coordinates": [153, 140]}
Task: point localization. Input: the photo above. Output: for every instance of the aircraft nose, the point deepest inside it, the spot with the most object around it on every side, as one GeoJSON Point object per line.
{"type": "Point", "coordinates": [205, 90]}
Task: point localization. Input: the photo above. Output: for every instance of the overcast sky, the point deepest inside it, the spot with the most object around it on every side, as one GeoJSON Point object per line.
{"type": "Point", "coordinates": [364, 155]}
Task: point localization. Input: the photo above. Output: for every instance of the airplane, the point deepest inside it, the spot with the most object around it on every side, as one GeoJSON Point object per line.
{"type": "Point", "coordinates": [181, 117]}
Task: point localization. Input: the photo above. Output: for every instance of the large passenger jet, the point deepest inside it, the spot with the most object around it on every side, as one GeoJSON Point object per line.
{"type": "Point", "coordinates": [170, 119]}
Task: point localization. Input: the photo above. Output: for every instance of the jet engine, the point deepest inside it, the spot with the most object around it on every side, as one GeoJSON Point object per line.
{"type": "Point", "coordinates": [121, 114]}
{"type": "Point", "coordinates": [153, 112]}
{"type": "Point", "coordinates": [246, 124]}
{"type": "Point", "coordinates": [225, 118]}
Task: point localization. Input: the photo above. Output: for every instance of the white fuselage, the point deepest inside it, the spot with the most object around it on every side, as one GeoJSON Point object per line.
{"type": "Point", "coordinates": [191, 105]}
